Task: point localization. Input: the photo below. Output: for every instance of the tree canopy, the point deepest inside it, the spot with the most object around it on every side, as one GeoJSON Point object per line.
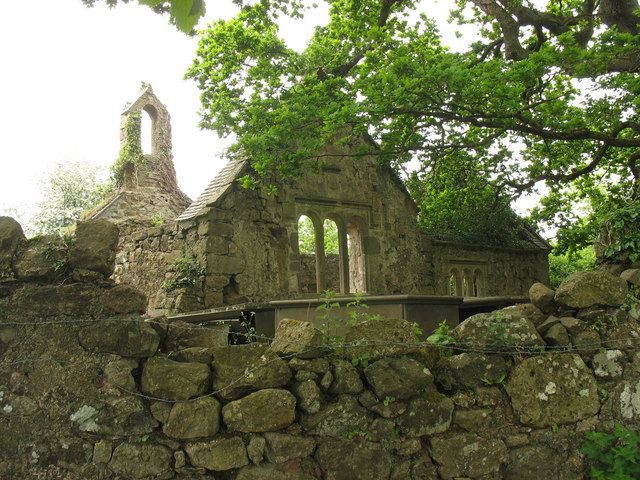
{"type": "Point", "coordinates": [547, 95]}
{"type": "Point", "coordinates": [184, 14]}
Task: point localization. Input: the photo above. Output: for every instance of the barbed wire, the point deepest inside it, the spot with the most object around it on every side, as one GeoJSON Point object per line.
{"type": "Point", "coordinates": [628, 343]}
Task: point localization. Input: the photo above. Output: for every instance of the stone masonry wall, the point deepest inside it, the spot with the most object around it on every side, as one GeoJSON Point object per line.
{"type": "Point", "coordinates": [89, 389]}
{"type": "Point", "coordinates": [502, 271]}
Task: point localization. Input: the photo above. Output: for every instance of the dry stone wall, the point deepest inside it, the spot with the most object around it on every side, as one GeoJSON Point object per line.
{"type": "Point", "coordinates": [89, 389]}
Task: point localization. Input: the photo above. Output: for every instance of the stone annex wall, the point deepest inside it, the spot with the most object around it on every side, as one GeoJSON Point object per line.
{"type": "Point", "coordinates": [496, 271]}
{"type": "Point", "coordinates": [89, 389]}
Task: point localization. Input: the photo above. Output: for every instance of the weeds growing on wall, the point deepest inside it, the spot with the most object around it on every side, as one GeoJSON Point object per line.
{"type": "Point", "coordinates": [441, 338]}
{"type": "Point", "coordinates": [131, 153]}
{"type": "Point", "coordinates": [332, 324]}
{"type": "Point", "coordinates": [616, 455]}
{"type": "Point", "coordinates": [187, 270]}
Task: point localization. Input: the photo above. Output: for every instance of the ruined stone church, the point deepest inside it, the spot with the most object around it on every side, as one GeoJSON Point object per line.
{"type": "Point", "coordinates": [233, 244]}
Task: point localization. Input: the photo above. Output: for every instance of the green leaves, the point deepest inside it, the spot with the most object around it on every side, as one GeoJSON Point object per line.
{"type": "Point", "coordinates": [615, 456]}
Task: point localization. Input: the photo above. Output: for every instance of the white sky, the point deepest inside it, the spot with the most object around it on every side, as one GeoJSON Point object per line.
{"type": "Point", "coordinates": [67, 71]}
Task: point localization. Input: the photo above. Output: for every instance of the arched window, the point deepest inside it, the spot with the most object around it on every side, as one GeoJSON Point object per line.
{"type": "Point", "coordinates": [332, 256]}
{"type": "Point", "coordinates": [478, 283]}
{"type": "Point", "coordinates": [146, 132]}
{"type": "Point", "coordinates": [453, 287]}
{"type": "Point", "coordinates": [357, 268]}
{"type": "Point", "coordinates": [311, 250]}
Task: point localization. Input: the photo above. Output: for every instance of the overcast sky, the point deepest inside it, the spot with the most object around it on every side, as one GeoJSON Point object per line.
{"type": "Point", "coordinates": [67, 72]}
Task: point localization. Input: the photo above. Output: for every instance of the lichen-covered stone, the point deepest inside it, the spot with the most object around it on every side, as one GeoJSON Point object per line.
{"type": "Point", "coordinates": [194, 419]}
{"type": "Point", "coordinates": [169, 380]}
{"type": "Point", "coordinates": [542, 297]}
{"type": "Point", "coordinates": [124, 415]}
{"type": "Point", "coordinates": [282, 447]}
{"type": "Point", "coordinates": [586, 342]}
{"type": "Point", "coordinates": [623, 404]}
{"type": "Point", "coordinates": [387, 337]}
{"type": "Point", "coordinates": [346, 378]}
{"type": "Point", "coordinates": [127, 337]}
{"type": "Point", "coordinates": [219, 454]}
{"type": "Point", "coordinates": [401, 378]}
{"type": "Point", "coordinates": [102, 451]}
{"type": "Point", "coordinates": [553, 389]}
{"type": "Point", "coordinates": [497, 331]}
{"type": "Point", "coordinates": [193, 354]}
{"type": "Point", "coordinates": [525, 310]}
{"type": "Point", "coordinates": [182, 335]}
{"type": "Point", "coordinates": [469, 370]}
{"type": "Point", "coordinates": [118, 374]}
{"type": "Point", "coordinates": [557, 336]}
{"type": "Point", "coordinates": [95, 246]}
{"type": "Point", "coordinates": [338, 418]}
{"type": "Point", "coordinates": [256, 447]}
{"type": "Point", "coordinates": [547, 324]}
{"type": "Point", "coordinates": [532, 462]}
{"type": "Point", "coordinates": [427, 414]}
{"type": "Point", "coordinates": [585, 289]}
{"type": "Point", "coordinates": [319, 366]}
{"type": "Point", "coordinates": [621, 334]}
{"type": "Point", "coordinates": [294, 338]}
{"type": "Point", "coordinates": [239, 369]}
{"type": "Point", "coordinates": [573, 325]}
{"type": "Point", "coordinates": [608, 364]}
{"type": "Point", "coordinates": [308, 395]}
{"type": "Point", "coordinates": [274, 472]}
{"type": "Point", "coordinates": [467, 455]}
{"type": "Point", "coordinates": [11, 236]}
{"type": "Point", "coordinates": [631, 275]}
{"type": "Point", "coordinates": [41, 258]}
{"type": "Point", "coordinates": [342, 459]}
{"type": "Point", "coordinates": [266, 410]}
{"type": "Point", "coordinates": [140, 460]}
{"type": "Point", "coordinates": [123, 299]}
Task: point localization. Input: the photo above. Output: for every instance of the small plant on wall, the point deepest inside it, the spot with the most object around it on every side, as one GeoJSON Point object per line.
{"type": "Point", "coordinates": [187, 270]}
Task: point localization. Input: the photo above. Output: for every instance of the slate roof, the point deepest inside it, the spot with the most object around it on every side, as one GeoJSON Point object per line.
{"type": "Point", "coordinates": [218, 186]}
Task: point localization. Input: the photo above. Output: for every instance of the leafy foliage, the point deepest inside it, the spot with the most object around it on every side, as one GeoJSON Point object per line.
{"type": "Point", "coordinates": [187, 271]}
{"type": "Point", "coordinates": [441, 338]}
{"type": "Point", "coordinates": [131, 154]}
{"type": "Point", "coordinates": [69, 190]}
{"type": "Point", "coordinates": [546, 96]}
{"type": "Point", "coordinates": [561, 265]}
{"type": "Point", "coordinates": [616, 455]}
{"type": "Point", "coordinates": [306, 236]}
{"type": "Point", "coordinates": [184, 14]}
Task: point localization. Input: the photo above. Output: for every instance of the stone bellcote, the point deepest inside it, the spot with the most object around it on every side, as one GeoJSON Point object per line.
{"type": "Point", "coordinates": [157, 171]}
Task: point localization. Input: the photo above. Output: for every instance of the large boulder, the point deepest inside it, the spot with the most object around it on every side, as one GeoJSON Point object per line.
{"type": "Point", "coordinates": [240, 369]}
{"type": "Point", "coordinates": [127, 337]}
{"type": "Point", "coordinates": [140, 460]}
{"type": "Point", "coordinates": [298, 339]}
{"type": "Point", "coordinates": [122, 299]}
{"type": "Point", "coordinates": [542, 297]}
{"type": "Point", "coordinates": [198, 418]}
{"type": "Point", "coordinates": [387, 337]}
{"type": "Point", "coordinates": [267, 471]}
{"type": "Point", "coordinates": [468, 455]}
{"type": "Point", "coordinates": [469, 370]}
{"type": "Point", "coordinates": [41, 258]}
{"type": "Point", "coordinates": [527, 311]}
{"type": "Point", "coordinates": [342, 459]}
{"type": "Point", "coordinates": [11, 236]}
{"type": "Point", "coordinates": [282, 447]}
{"type": "Point", "coordinates": [95, 246]}
{"type": "Point", "coordinates": [346, 378]}
{"type": "Point", "coordinates": [552, 389]}
{"type": "Point", "coordinates": [585, 289]}
{"type": "Point", "coordinates": [168, 380]}
{"type": "Point", "coordinates": [401, 378]}
{"type": "Point", "coordinates": [427, 414]}
{"type": "Point", "coordinates": [219, 454]}
{"type": "Point", "coordinates": [338, 418]}
{"type": "Point", "coordinates": [182, 335]}
{"type": "Point", "coordinates": [267, 410]}
{"type": "Point", "coordinates": [497, 331]}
